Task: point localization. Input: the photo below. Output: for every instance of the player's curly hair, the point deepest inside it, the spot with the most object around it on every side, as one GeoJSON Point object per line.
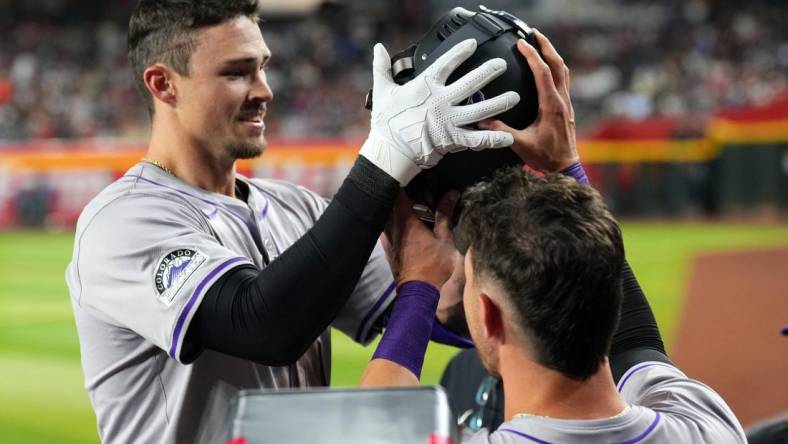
{"type": "Point", "coordinates": [554, 248]}
{"type": "Point", "coordinates": [163, 31]}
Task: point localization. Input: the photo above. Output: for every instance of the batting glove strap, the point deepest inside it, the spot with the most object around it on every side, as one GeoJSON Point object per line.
{"type": "Point", "coordinates": [389, 159]}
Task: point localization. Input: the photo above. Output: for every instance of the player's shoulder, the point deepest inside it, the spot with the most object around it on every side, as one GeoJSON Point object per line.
{"type": "Point", "coordinates": [468, 436]}
{"type": "Point", "coordinates": [281, 188]}
{"type": "Point", "coordinates": [483, 436]}
{"type": "Point", "coordinates": [649, 371]}
{"type": "Point", "coordinates": [643, 380]}
{"type": "Point", "coordinates": [686, 403]}
{"type": "Point", "coordinates": [142, 190]}
{"type": "Point", "coordinates": [288, 194]}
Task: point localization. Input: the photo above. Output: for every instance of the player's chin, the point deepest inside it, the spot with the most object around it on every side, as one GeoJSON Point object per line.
{"type": "Point", "coordinates": [248, 148]}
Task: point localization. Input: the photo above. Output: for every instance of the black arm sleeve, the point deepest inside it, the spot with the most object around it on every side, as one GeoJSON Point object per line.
{"type": "Point", "coordinates": [272, 316]}
{"type": "Point", "coordinates": [637, 338]}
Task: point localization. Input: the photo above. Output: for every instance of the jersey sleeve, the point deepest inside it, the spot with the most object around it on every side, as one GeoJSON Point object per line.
{"type": "Point", "coordinates": [145, 262]}
{"type": "Point", "coordinates": [689, 406]}
{"type": "Point", "coordinates": [373, 293]}
{"type": "Point", "coordinates": [483, 436]}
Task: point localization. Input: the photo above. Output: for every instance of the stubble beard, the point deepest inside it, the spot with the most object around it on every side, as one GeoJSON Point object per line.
{"type": "Point", "coordinates": [247, 150]}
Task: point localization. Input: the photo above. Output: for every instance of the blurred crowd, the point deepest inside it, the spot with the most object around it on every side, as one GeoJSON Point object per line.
{"type": "Point", "coordinates": [63, 69]}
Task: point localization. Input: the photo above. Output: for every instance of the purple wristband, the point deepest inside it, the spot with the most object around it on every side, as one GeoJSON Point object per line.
{"type": "Point", "coordinates": [409, 327]}
{"type": "Point", "coordinates": [576, 170]}
{"type": "Point", "coordinates": [443, 335]}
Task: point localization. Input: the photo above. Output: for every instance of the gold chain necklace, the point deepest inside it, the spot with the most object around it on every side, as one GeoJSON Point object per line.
{"type": "Point", "coordinates": [531, 415]}
{"type": "Point", "coordinates": [158, 164]}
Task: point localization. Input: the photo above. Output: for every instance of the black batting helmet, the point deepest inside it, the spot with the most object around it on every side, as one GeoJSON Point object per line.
{"type": "Point", "coordinates": [496, 34]}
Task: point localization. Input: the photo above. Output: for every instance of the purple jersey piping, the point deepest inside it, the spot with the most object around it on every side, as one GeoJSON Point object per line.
{"type": "Point", "coordinates": [634, 440]}
{"type": "Point", "coordinates": [209, 202]}
{"type": "Point", "coordinates": [525, 435]}
{"type": "Point", "coordinates": [632, 372]}
{"type": "Point", "coordinates": [645, 434]}
{"type": "Point", "coordinates": [363, 326]}
{"type": "Point", "coordinates": [637, 369]}
{"type": "Point", "coordinates": [184, 314]}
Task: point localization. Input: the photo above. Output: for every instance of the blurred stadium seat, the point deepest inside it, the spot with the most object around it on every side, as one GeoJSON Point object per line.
{"type": "Point", "coordinates": [659, 90]}
{"type": "Point", "coordinates": [63, 66]}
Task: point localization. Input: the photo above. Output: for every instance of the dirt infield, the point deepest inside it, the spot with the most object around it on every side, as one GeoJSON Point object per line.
{"type": "Point", "coordinates": [729, 334]}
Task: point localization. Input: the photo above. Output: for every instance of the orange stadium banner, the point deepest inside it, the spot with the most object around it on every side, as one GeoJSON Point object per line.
{"type": "Point", "coordinates": [93, 156]}
{"type": "Point", "coordinates": [118, 157]}
{"type": "Point", "coordinates": [765, 123]}
{"type": "Point", "coordinates": [615, 140]}
{"type": "Point", "coordinates": [64, 175]}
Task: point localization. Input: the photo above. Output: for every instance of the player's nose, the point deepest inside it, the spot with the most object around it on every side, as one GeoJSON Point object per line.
{"type": "Point", "coordinates": [260, 90]}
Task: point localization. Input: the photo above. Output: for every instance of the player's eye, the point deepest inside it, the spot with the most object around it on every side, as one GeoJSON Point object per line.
{"type": "Point", "coordinates": [238, 72]}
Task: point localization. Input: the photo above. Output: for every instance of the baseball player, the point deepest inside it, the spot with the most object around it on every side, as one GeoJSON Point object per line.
{"type": "Point", "coordinates": [188, 280]}
{"type": "Point", "coordinates": [550, 302]}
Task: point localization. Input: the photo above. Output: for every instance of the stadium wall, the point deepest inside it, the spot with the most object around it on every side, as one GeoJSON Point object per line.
{"type": "Point", "coordinates": [739, 167]}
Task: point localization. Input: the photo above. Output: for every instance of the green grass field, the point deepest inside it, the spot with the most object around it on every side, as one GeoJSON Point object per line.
{"type": "Point", "coordinates": [41, 390]}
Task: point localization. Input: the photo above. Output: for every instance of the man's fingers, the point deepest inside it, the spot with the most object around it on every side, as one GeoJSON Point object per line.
{"type": "Point", "coordinates": [525, 137]}
{"type": "Point", "coordinates": [479, 140]}
{"type": "Point", "coordinates": [444, 213]}
{"type": "Point", "coordinates": [473, 81]}
{"type": "Point", "coordinates": [548, 50]}
{"type": "Point", "coordinates": [409, 222]}
{"type": "Point", "coordinates": [381, 65]}
{"type": "Point", "coordinates": [553, 60]}
{"type": "Point", "coordinates": [448, 62]}
{"type": "Point", "coordinates": [487, 108]}
{"type": "Point", "coordinates": [557, 65]}
{"type": "Point", "coordinates": [545, 86]}
{"type": "Point", "coordinates": [496, 125]}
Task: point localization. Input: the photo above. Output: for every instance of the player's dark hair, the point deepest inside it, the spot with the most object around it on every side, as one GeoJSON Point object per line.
{"type": "Point", "coordinates": [554, 248]}
{"type": "Point", "coordinates": [163, 31]}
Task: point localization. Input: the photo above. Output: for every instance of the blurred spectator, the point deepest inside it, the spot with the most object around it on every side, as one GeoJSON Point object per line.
{"type": "Point", "coordinates": [63, 70]}
{"type": "Point", "coordinates": [33, 203]}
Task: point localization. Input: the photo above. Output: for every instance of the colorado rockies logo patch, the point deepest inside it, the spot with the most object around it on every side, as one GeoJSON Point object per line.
{"type": "Point", "coordinates": [173, 271]}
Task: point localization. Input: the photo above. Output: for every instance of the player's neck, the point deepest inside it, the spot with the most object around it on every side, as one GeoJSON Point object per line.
{"type": "Point", "coordinates": [191, 163]}
{"type": "Point", "coordinates": [530, 389]}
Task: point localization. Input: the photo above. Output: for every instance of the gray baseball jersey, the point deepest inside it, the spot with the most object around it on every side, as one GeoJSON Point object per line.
{"type": "Point", "coordinates": [664, 406]}
{"type": "Point", "coordinates": [146, 250]}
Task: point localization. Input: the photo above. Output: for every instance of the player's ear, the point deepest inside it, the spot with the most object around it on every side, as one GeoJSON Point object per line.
{"type": "Point", "coordinates": [491, 315]}
{"type": "Point", "coordinates": [159, 81]}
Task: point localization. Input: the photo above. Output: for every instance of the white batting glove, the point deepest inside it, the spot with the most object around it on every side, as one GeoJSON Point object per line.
{"type": "Point", "coordinates": [414, 125]}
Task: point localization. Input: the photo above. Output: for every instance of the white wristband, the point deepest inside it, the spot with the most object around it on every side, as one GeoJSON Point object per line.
{"type": "Point", "coordinates": [389, 159]}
